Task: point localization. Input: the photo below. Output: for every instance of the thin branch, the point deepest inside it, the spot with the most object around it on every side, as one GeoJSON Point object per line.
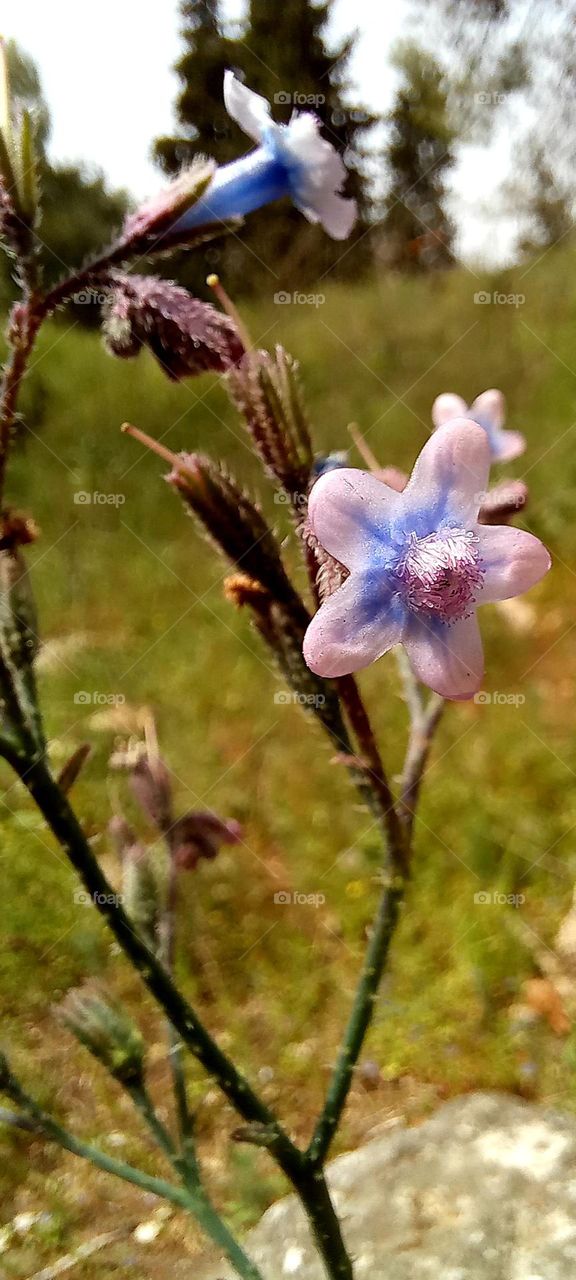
{"type": "Point", "coordinates": [381, 936]}
{"type": "Point", "coordinates": [65, 826]}
{"type": "Point", "coordinates": [190, 1198]}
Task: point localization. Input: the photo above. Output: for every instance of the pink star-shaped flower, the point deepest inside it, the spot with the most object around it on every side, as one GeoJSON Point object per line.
{"type": "Point", "coordinates": [489, 411]}
{"type": "Point", "coordinates": [419, 564]}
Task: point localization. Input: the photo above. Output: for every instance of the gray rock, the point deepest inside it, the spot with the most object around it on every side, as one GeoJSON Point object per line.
{"type": "Point", "coordinates": [485, 1190]}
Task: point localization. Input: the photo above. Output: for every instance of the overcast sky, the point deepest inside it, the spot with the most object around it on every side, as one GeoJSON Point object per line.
{"type": "Point", "coordinates": [107, 76]}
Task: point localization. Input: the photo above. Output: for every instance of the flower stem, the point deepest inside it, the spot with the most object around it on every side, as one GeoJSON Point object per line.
{"type": "Point", "coordinates": [186, 1166]}
{"type": "Point", "coordinates": [424, 720]}
{"type": "Point", "coordinates": [315, 1196]}
{"type": "Point", "coordinates": [57, 1133]}
{"type": "Point", "coordinates": [65, 826]}
{"type": "Point", "coordinates": [385, 806]}
{"type": "Point", "coordinates": [359, 1021]}
{"type": "Point", "coordinates": [175, 1046]}
{"type": "Point", "coordinates": [190, 1197]}
{"type": "Point", "coordinates": [293, 1162]}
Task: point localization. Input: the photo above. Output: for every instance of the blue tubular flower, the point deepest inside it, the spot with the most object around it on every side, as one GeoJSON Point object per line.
{"type": "Point", "coordinates": [290, 160]}
{"type": "Point", "coordinates": [419, 564]}
{"type": "Point", "coordinates": [489, 411]}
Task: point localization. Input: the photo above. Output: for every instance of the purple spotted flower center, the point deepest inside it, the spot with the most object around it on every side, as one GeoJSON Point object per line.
{"type": "Point", "coordinates": [440, 575]}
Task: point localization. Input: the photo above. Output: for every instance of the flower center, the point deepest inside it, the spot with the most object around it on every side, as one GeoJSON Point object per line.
{"type": "Point", "coordinates": [440, 574]}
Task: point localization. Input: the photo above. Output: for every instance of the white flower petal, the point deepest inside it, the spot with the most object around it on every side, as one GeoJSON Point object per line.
{"type": "Point", "coordinates": [318, 176]}
{"type": "Point", "coordinates": [448, 659]}
{"type": "Point", "coordinates": [513, 561]}
{"type": "Point", "coordinates": [448, 406]}
{"type": "Point", "coordinates": [489, 406]}
{"type": "Point", "coordinates": [248, 109]}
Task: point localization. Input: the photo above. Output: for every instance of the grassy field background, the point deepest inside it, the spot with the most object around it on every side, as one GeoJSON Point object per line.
{"type": "Point", "coordinates": [131, 604]}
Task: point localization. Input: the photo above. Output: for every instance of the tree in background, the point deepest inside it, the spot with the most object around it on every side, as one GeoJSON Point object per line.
{"type": "Point", "coordinates": [282, 54]}
{"type": "Point", "coordinates": [544, 205]}
{"type": "Point", "coordinates": [202, 119]}
{"type": "Point", "coordinates": [80, 214]}
{"type": "Point", "coordinates": [511, 72]}
{"type": "Point", "coordinates": [418, 232]}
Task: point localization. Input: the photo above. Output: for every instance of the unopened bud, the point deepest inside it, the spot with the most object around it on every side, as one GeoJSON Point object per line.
{"type": "Point", "coordinates": [106, 1030]}
{"type": "Point", "coordinates": [186, 336]}
{"type": "Point", "coordinates": [502, 502]}
{"type": "Point", "coordinates": [199, 835]}
{"type": "Point", "coordinates": [266, 391]}
{"type": "Point", "coordinates": [140, 887]}
{"type": "Point", "coordinates": [326, 462]}
{"type": "Point", "coordinates": [235, 524]}
{"type": "Point", "coordinates": [154, 225]}
{"type": "Point", "coordinates": [150, 783]}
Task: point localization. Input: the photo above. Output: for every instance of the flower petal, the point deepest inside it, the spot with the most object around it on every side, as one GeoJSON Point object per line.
{"type": "Point", "coordinates": [351, 630]}
{"type": "Point", "coordinates": [513, 561]}
{"type": "Point", "coordinates": [336, 213]}
{"type": "Point", "coordinates": [351, 512]}
{"type": "Point", "coordinates": [448, 659]}
{"type": "Point", "coordinates": [489, 407]}
{"type": "Point", "coordinates": [317, 175]}
{"type": "Point", "coordinates": [507, 445]}
{"type": "Point", "coordinates": [448, 406]}
{"type": "Point", "coordinates": [450, 476]}
{"type": "Point", "coordinates": [248, 109]}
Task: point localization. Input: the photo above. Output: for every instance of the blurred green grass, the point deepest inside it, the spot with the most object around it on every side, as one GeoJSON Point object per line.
{"type": "Point", "coordinates": [138, 594]}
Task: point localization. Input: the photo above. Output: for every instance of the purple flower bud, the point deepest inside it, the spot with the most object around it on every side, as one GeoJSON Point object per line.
{"type": "Point", "coordinates": [199, 835]}
{"type": "Point", "coordinates": [150, 782]}
{"type": "Point", "coordinates": [185, 335]}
